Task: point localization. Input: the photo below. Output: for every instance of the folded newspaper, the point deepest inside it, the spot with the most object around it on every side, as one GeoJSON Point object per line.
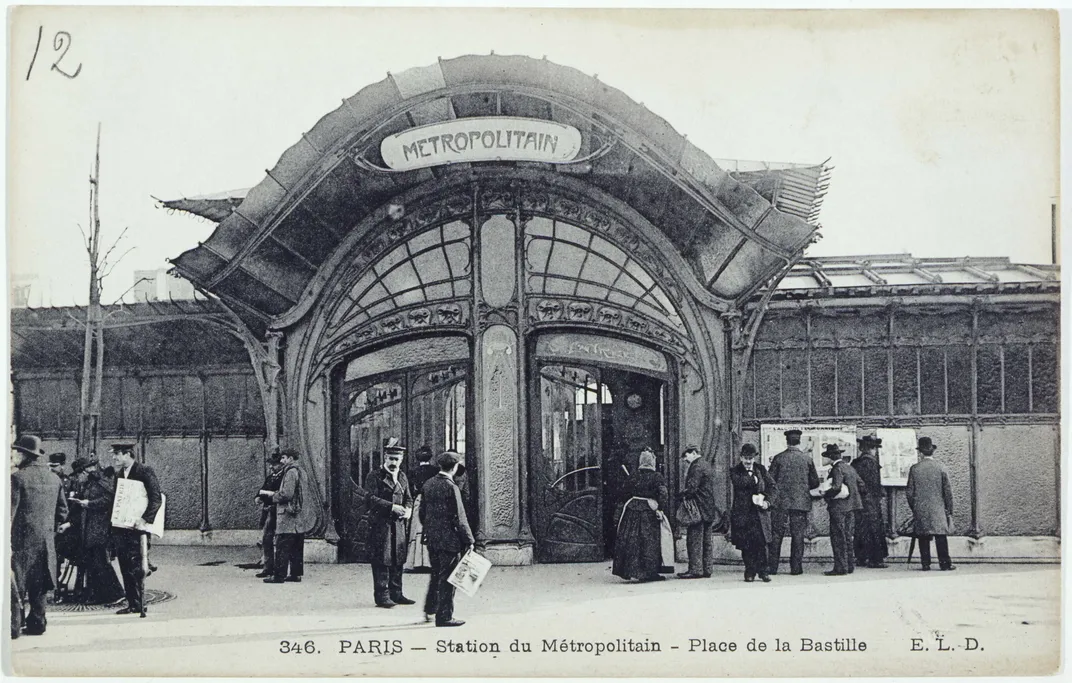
{"type": "Point", "coordinates": [130, 503]}
{"type": "Point", "coordinates": [470, 572]}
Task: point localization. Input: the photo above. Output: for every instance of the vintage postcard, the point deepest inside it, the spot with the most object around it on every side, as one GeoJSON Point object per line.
{"type": "Point", "coordinates": [717, 343]}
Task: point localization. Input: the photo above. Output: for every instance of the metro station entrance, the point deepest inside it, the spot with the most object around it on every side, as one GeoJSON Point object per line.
{"type": "Point", "coordinates": [589, 424]}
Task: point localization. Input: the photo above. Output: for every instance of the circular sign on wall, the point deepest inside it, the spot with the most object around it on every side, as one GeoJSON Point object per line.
{"type": "Point", "coordinates": [634, 401]}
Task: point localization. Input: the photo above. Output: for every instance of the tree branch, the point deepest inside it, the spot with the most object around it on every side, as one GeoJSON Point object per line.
{"type": "Point", "coordinates": [104, 259]}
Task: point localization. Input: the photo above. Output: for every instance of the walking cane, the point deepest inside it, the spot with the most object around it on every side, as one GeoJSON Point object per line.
{"type": "Point", "coordinates": [143, 542]}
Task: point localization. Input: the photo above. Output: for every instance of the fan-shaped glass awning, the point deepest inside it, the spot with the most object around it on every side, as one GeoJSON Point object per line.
{"type": "Point", "coordinates": [735, 227]}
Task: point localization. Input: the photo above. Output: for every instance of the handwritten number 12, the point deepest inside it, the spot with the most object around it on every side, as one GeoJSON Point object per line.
{"type": "Point", "coordinates": [61, 43]}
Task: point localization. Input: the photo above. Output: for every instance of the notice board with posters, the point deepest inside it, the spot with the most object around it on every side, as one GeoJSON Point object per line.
{"type": "Point", "coordinates": [813, 440]}
{"type": "Point", "coordinates": [896, 455]}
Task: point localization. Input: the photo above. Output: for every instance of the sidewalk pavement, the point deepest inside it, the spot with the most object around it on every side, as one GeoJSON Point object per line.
{"type": "Point", "coordinates": [999, 620]}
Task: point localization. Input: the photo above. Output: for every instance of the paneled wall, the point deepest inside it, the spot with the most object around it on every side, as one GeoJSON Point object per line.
{"type": "Point", "coordinates": [201, 431]}
{"type": "Point", "coordinates": [982, 382]}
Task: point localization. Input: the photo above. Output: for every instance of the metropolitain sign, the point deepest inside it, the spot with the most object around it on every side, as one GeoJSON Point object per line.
{"type": "Point", "coordinates": [494, 138]}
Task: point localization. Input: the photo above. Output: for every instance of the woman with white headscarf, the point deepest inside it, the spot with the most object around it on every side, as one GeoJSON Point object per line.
{"type": "Point", "coordinates": [637, 548]}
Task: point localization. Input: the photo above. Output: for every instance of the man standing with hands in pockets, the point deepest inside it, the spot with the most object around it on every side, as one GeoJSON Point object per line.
{"type": "Point", "coordinates": [447, 532]}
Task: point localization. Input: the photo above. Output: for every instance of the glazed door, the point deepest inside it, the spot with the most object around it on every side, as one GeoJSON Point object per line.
{"type": "Point", "coordinates": [425, 407]}
{"type": "Point", "coordinates": [568, 467]}
{"type": "Point", "coordinates": [593, 423]}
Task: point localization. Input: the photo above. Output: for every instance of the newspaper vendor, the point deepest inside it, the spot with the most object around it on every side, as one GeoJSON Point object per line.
{"type": "Point", "coordinates": [128, 542]}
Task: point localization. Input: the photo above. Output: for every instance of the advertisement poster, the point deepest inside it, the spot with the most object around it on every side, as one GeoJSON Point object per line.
{"type": "Point", "coordinates": [813, 440]}
{"type": "Point", "coordinates": [896, 455]}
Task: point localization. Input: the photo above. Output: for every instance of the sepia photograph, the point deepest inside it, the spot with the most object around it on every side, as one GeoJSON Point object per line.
{"type": "Point", "coordinates": [503, 342]}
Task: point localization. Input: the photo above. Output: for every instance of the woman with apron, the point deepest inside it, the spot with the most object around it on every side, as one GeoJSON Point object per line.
{"type": "Point", "coordinates": [638, 552]}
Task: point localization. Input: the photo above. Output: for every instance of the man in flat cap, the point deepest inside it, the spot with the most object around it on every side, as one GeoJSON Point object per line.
{"type": "Point", "coordinates": [842, 502]}
{"type": "Point", "coordinates": [700, 489]}
{"type": "Point", "coordinates": [272, 482]}
{"type": "Point", "coordinates": [447, 531]}
{"type": "Point", "coordinates": [870, 533]}
{"type": "Point", "coordinates": [38, 509]}
{"type": "Point", "coordinates": [390, 505]}
{"type": "Point", "coordinates": [288, 564]}
{"type": "Point", "coordinates": [129, 542]}
{"type": "Point", "coordinates": [94, 497]}
{"type": "Point", "coordinates": [794, 476]}
{"type": "Point", "coordinates": [931, 498]}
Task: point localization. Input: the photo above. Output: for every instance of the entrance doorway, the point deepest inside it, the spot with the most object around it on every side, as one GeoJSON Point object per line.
{"type": "Point", "coordinates": [590, 424]}
{"type": "Point", "coordinates": [424, 407]}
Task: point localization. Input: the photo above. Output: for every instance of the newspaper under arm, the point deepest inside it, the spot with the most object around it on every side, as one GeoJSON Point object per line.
{"type": "Point", "coordinates": [130, 503]}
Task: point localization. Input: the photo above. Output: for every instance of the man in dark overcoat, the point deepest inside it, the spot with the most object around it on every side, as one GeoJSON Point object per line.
{"type": "Point", "coordinates": [700, 487]}
{"type": "Point", "coordinates": [794, 477]}
{"type": "Point", "coordinates": [750, 524]}
{"type": "Point", "coordinates": [38, 509]}
{"type": "Point", "coordinates": [931, 498]}
{"type": "Point", "coordinates": [390, 505]}
{"type": "Point", "coordinates": [448, 535]}
{"type": "Point", "coordinates": [842, 509]}
{"type": "Point", "coordinates": [273, 481]}
{"type": "Point", "coordinates": [870, 545]}
{"type": "Point", "coordinates": [128, 542]}
{"type": "Point", "coordinates": [94, 498]}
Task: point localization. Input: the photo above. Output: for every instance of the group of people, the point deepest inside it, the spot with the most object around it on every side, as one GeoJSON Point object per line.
{"type": "Point", "coordinates": [769, 504]}
{"type": "Point", "coordinates": [56, 517]}
{"type": "Point", "coordinates": [408, 522]}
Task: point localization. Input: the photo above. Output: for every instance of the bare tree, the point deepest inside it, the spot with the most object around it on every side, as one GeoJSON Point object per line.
{"type": "Point", "coordinates": [100, 265]}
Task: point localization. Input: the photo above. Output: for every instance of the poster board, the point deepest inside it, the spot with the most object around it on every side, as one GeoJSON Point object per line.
{"type": "Point", "coordinates": [130, 502]}
{"type": "Point", "coordinates": [896, 455]}
{"type": "Point", "coordinates": [813, 438]}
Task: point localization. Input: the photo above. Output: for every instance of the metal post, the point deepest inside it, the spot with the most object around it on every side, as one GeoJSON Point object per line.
{"type": "Point", "coordinates": [973, 449]}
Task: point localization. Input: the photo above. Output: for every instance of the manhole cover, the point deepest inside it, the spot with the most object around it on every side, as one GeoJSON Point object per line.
{"type": "Point", "coordinates": [152, 597]}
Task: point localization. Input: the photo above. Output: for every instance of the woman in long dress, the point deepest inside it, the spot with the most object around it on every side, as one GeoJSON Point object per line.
{"type": "Point", "coordinates": [637, 549]}
{"type": "Point", "coordinates": [417, 560]}
{"type": "Point", "coordinates": [750, 526]}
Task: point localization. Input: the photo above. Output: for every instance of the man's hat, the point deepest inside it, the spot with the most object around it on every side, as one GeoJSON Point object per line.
{"type": "Point", "coordinates": [29, 444]}
{"type": "Point", "coordinates": [748, 451]}
{"type": "Point", "coordinates": [82, 464]}
{"type": "Point", "coordinates": [123, 446]}
{"type": "Point", "coordinates": [833, 451]}
{"type": "Point", "coordinates": [57, 459]}
{"type": "Point", "coordinates": [275, 456]}
{"type": "Point", "coordinates": [869, 441]}
{"type": "Point", "coordinates": [926, 446]}
{"type": "Point", "coordinates": [793, 432]}
{"type": "Point", "coordinates": [391, 446]}
{"type": "Point", "coordinates": [448, 459]}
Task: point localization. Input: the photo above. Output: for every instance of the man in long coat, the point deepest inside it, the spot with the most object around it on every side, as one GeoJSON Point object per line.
{"type": "Point", "coordinates": [700, 488]}
{"type": "Point", "coordinates": [288, 565]}
{"type": "Point", "coordinates": [870, 536]}
{"type": "Point", "coordinates": [128, 548]}
{"type": "Point", "coordinates": [94, 498]}
{"type": "Point", "coordinates": [842, 510]}
{"type": "Point", "coordinates": [448, 534]}
{"type": "Point", "coordinates": [38, 509]}
{"type": "Point", "coordinates": [390, 505]}
{"type": "Point", "coordinates": [794, 477]}
{"type": "Point", "coordinates": [931, 498]}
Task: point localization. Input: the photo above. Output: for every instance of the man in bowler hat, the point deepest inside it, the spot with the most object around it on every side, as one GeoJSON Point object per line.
{"type": "Point", "coordinates": [38, 509]}
{"type": "Point", "coordinates": [870, 536]}
{"type": "Point", "coordinates": [931, 498]}
{"type": "Point", "coordinates": [794, 476]}
{"type": "Point", "coordinates": [390, 504]}
{"type": "Point", "coordinates": [842, 509]}
{"type": "Point", "coordinates": [128, 542]}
